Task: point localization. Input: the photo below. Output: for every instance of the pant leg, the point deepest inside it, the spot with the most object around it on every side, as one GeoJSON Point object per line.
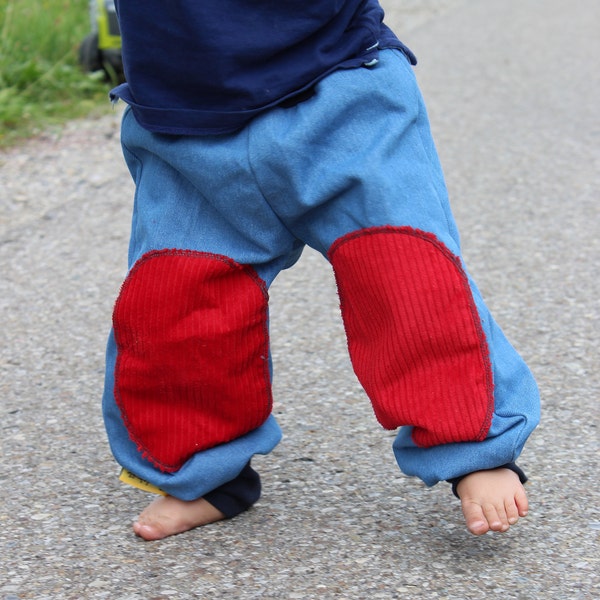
{"type": "Point", "coordinates": [187, 395]}
{"type": "Point", "coordinates": [362, 183]}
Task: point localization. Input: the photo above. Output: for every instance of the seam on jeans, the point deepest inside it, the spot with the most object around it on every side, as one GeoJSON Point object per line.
{"type": "Point", "coordinates": [247, 131]}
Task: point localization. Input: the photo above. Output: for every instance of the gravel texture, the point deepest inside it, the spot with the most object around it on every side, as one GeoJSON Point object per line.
{"type": "Point", "coordinates": [512, 90]}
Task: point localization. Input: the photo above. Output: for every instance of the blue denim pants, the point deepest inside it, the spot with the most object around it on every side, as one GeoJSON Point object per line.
{"type": "Point", "coordinates": [353, 173]}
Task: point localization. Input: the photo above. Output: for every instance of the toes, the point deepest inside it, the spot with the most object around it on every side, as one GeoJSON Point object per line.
{"type": "Point", "coordinates": [512, 512]}
{"type": "Point", "coordinates": [517, 507]}
{"type": "Point", "coordinates": [475, 519]}
{"type": "Point", "coordinates": [522, 502]}
{"type": "Point", "coordinates": [487, 517]}
{"type": "Point", "coordinates": [478, 527]}
{"type": "Point", "coordinates": [148, 532]}
{"type": "Point", "coordinates": [492, 500]}
{"type": "Point", "coordinates": [496, 517]}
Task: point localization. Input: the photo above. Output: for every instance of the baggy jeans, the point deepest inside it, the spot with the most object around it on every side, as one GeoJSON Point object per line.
{"type": "Point", "coordinates": [353, 173]}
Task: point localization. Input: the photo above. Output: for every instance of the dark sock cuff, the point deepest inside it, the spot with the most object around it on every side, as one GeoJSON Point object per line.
{"type": "Point", "coordinates": [237, 495]}
{"type": "Point", "coordinates": [512, 466]}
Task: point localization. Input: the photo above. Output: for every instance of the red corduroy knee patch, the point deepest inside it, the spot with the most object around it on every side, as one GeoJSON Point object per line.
{"type": "Point", "coordinates": [192, 366]}
{"type": "Point", "coordinates": [414, 334]}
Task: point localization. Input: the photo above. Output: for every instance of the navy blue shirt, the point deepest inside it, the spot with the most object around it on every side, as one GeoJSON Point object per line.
{"type": "Point", "coordinates": [200, 67]}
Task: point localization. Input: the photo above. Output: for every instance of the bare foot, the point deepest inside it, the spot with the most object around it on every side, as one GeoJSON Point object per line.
{"type": "Point", "coordinates": [492, 500]}
{"type": "Point", "coordinates": [168, 516]}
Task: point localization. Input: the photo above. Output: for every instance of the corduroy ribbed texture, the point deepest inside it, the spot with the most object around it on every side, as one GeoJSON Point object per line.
{"type": "Point", "coordinates": [192, 364]}
{"type": "Point", "coordinates": [414, 334]}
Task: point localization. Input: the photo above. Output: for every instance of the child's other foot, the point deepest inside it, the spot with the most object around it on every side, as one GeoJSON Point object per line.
{"type": "Point", "coordinates": [492, 500]}
{"type": "Point", "coordinates": [168, 516]}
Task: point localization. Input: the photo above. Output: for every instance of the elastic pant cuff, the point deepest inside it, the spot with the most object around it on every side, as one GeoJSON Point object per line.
{"type": "Point", "coordinates": [237, 495]}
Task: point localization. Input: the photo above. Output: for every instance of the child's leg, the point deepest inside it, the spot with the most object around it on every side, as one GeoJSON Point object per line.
{"type": "Point", "coordinates": [422, 341]}
{"type": "Point", "coordinates": [187, 392]}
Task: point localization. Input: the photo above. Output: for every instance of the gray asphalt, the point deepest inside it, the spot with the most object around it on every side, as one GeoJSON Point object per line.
{"type": "Point", "coordinates": [513, 89]}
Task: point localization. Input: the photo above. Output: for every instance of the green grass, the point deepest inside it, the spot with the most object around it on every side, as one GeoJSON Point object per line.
{"type": "Point", "coordinates": [41, 82]}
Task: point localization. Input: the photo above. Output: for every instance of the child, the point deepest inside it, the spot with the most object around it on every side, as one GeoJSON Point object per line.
{"type": "Point", "coordinates": [252, 130]}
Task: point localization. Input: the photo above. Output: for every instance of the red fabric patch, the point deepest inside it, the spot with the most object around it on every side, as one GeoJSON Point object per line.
{"type": "Point", "coordinates": [414, 334]}
{"type": "Point", "coordinates": [192, 366]}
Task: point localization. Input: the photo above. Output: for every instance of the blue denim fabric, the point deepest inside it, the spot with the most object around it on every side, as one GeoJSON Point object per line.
{"type": "Point", "coordinates": [357, 154]}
